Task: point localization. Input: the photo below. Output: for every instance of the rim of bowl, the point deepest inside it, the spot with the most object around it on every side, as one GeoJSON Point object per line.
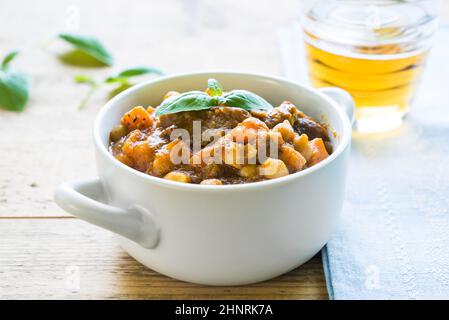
{"type": "Point", "coordinates": [345, 136]}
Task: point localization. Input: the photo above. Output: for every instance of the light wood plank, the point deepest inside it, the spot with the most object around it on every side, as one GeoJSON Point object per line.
{"type": "Point", "coordinates": [35, 255]}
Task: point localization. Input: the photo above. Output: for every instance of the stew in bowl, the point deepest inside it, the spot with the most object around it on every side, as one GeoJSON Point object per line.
{"type": "Point", "coordinates": [214, 137]}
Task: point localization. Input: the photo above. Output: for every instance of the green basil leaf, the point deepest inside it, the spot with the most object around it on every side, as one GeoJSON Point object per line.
{"type": "Point", "coordinates": [116, 80]}
{"type": "Point", "coordinates": [187, 101]}
{"type": "Point", "coordinates": [8, 58]}
{"type": "Point", "coordinates": [198, 100]}
{"type": "Point", "coordinates": [88, 45]}
{"type": "Point", "coordinates": [246, 100]}
{"type": "Point", "coordinates": [214, 88]}
{"type": "Point", "coordinates": [84, 79]}
{"type": "Point", "coordinates": [14, 88]}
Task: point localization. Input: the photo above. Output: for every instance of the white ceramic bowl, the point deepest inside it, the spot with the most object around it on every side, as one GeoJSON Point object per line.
{"type": "Point", "coordinates": [218, 235]}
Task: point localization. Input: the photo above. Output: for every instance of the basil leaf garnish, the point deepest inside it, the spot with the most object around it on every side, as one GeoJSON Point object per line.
{"type": "Point", "coordinates": [198, 100]}
{"type": "Point", "coordinates": [89, 45]}
{"type": "Point", "coordinates": [187, 101]}
{"type": "Point", "coordinates": [14, 86]}
{"type": "Point", "coordinates": [246, 100]}
{"type": "Point", "coordinates": [214, 88]}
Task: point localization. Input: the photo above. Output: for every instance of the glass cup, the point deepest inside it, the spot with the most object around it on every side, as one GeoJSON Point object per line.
{"type": "Point", "coordinates": [374, 49]}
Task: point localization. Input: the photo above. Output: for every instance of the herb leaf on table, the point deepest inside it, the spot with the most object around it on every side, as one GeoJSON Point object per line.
{"type": "Point", "coordinates": [90, 46]}
{"type": "Point", "coordinates": [125, 75]}
{"type": "Point", "coordinates": [121, 78]}
{"type": "Point", "coordinates": [14, 85]}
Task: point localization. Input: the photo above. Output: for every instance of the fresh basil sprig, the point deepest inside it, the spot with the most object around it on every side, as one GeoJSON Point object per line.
{"type": "Point", "coordinates": [122, 79]}
{"type": "Point", "coordinates": [214, 88]}
{"type": "Point", "coordinates": [14, 85]}
{"type": "Point", "coordinates": [90, 46]}
{"type": "Point", "coordinates": [198, 100]}
{"type": "Point", "coordinates": [8, 58]}
{"type": "Point", "coordinates": [187, 101]}
{"type": "Point", "coordinates": [94, 85]}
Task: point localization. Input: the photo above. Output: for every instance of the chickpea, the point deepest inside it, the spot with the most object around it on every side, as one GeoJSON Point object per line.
{"type": "Point", "coordinates": [269, 138]}
{"type": "Point", "coordinates": [275, 137]}
{"type": "Point", "coordinates": [286, 130]}
{"type": "Point", "coordinates": [161, 164]}
{"type": "Point", "coordinates": [254, 123]}
{"type": "Point", "coordinates": [210, 171]}
{"type": "Point", "coordinates": [171, 94]}
{"type": "Point", "coordinates": [301, 144]}
{"type": "Point", "coordinates": [212, 182]}
{"type": "Point", "coordinates": [169, 146]}
{"type": "Point", "coordinates": [196, 159]}
{"type": "Point", "coordinates": [212, 135]}
{"type": "Point", "coordinates": [273, 168]}
{"type": "Point", "coordinates": [204, 156]}
{"type": "Point", "coordinates": [123, 158]}
{"type": "Point", "coordinates": [178, 177]}
{"type": "Point", "coordinates": [250, 154]}
{"type": "Point", "coordinates": [133, 137]}
{"type": "Point", "coordinates": [241, 134]}
{"type": "Point", "coordinates": [248, 171]}
{"type": "Point", "coordinates": [268, 145]}
{"type": "Point", "coordinates": [179, 152]}
{"type": "Point", "coordinates": [234, 154]}
{"type": "Point", "coordinates": [292, 158]}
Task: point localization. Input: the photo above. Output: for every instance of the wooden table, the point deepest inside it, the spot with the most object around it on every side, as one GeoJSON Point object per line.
{"type": "Point", "coordinates": [43, 250]}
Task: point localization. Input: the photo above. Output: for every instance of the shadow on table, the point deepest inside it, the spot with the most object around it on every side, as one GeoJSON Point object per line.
{"type": "Point", "coordinates": [135, 281]}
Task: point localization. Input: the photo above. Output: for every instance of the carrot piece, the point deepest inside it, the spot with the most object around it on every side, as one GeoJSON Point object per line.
{"type": "Point", "coordinates": [136, 118]}
{"type": "Point", "coordinates": [319, 152]}
{"type": "Point", "coordinates": [138, 150]}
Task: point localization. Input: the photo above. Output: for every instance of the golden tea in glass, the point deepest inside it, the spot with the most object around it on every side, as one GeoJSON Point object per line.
{"type": "Point", "coordinates": [375, 50]}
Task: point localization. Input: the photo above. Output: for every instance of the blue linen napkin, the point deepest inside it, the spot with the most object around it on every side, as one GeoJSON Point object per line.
{"type": "Point", "coordinates": [393, 238]}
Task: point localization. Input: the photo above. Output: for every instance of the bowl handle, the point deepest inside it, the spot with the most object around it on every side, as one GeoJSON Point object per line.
{"type": "Point", "coordinates": [343, 99]}
{"type": "Point", "coordinates": [135, 223]}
